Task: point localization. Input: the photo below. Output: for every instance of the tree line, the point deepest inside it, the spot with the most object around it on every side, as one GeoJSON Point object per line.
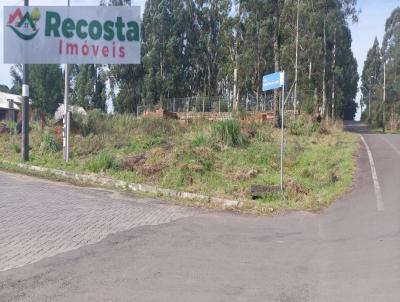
{"type": "Point", "coordinates": [223, 48]}
{"type": "Point", "coordinates": [381, 75]}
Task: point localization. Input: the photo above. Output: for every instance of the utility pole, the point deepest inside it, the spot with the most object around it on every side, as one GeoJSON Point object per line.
{"type": "Point", "coordinates": [297, 58]}
{"type": "Point", "coordinates": [66, 113]}
{"type": "Point", "coordinates": [384, 97]}
{"type": "Point", "coordinates": [235, 72]}
{"type": "Point", "coordinates": [282, 129]}
{"type": "Point", "coordinates": [25, 108]}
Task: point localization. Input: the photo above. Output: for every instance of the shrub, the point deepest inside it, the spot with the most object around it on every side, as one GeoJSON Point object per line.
{"type": "Point", "coordinates": [95, 121]}
{"type": "Point", "coordinates": [49, 143]}
{"type": "Point", "coordinates": [102, 162]}
{"type": "Point", "coordinates": [16, 147]}
{"type": "Point", "coordinates": [199, 140]}
{"type": "Point", "coordinates": [314, 127]}
{"type": "Point", "coordinates": [150, 142]}
{"type": "Point", "coordinates": [229, 133]}
{"type": "Point", "coordinates": [296, 127]}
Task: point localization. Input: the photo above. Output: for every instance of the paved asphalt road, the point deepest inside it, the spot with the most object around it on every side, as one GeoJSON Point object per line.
{"type": "Point", "coordinates": [63, 243]}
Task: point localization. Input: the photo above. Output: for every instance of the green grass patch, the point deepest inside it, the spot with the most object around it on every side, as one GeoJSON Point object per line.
{"type": "Point", "coordinates": [222, 159]}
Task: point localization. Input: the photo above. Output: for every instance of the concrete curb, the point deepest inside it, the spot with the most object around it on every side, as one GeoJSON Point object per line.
{"type": "Point", "coordinates": [93, 179]}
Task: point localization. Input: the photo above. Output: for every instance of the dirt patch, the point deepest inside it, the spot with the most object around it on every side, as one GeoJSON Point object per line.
{"type": "Point", "coordinates": [131, 163]}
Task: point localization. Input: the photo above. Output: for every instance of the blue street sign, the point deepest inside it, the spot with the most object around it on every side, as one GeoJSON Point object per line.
{"type": "Point", "coordinates": [273, 81]}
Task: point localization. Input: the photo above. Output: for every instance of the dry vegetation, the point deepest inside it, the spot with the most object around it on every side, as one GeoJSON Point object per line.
{"type": "Point", "coordinates": [222, 159]}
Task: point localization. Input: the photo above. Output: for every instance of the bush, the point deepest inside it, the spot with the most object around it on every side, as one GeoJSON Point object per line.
{"type": "Point", "coordinates": [296, 127]}
{"type": "Point", "coordinates": [200, 140]}
{"type": "Point", "coordinates": [49, 143]}
{"type": "Point", "coordinates": [95, 121]}
{"type": "Point", "coordinates": [103, 162]}
{"type": "Point", "coordinates": [16, 147]}
{"type": "Point", "coordinates": [229, 133]}
{"type": "Point", "coordinates": [314, 127]}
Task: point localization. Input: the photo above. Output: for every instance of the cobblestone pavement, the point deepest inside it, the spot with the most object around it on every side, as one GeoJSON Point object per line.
{"type": "Point", "coordinates": [40, 219]}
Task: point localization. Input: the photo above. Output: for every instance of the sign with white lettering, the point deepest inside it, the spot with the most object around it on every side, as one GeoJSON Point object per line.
{"type": "Point", "coordinates": [72, 35]}
{"type": "Point", "coordinates": [273, 81]}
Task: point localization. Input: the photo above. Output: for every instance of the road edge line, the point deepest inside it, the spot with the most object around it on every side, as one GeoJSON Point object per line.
{"type": "Point", "coordinates": [377, 187]}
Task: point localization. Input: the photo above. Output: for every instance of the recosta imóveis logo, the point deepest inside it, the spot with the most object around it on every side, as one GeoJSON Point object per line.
{"type": "Point", "coordinates": [24, 26]}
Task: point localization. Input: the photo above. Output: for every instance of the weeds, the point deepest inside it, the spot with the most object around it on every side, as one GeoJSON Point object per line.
{"type": "Point", "coordinates": [16, 147]}
{"type": "Point", "coordinates": [103, 162]}
{"type": "Point", "coordinates": [222, 159]}
{"type": "Point", "coordinates": [229, 133]}
{"type": "Point", "coordinates": [49, 143]}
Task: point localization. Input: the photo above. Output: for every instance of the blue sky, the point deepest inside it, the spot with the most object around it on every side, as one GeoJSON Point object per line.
{"type": "Point", "coordinates": [371, 24]}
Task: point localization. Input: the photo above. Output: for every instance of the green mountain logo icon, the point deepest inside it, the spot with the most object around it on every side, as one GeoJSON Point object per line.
{"type": "Point", "coordinates": [24, 26]}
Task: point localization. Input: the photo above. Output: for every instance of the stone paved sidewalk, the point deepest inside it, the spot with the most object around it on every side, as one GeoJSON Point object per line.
{"type": "Point", "coordinates": [40, 219]}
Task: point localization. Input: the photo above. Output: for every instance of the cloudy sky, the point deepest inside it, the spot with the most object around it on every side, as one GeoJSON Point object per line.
{"type": "Point", "coordinates": [371, 24]}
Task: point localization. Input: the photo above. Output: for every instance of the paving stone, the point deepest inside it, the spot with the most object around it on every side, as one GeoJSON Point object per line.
{"type": "Point", "coordinates": [40, 219]}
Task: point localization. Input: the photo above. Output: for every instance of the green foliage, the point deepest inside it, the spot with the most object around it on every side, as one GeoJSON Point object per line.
{"type": "Point", "coordinates": [49, 143]}
{"type": "Point", "coordinates": [90, 87]}
{"type": "Point", "coordinates": [4, 88]}
{"type": "Point", "coordinates": [228, 132]}
{"type": "Point", "coordinates": [200, 140]}
{"type": "Point", "coordinates": [373, 76]}
{"type": "Point", "coordinates": [192, 160]}
{"type": "Point", "coordinates": [46, 83]}
{"type": "Point", "coordinates": [103, 162]}
{"type": "Point", "coordinates": [16, 147]}
{"type": "Point", "coordinates": [296, 127]}
{"type": "Point", "coordinates": [314, 127]}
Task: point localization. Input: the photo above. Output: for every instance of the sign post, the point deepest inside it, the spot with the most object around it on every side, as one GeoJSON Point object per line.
{"type": "Point", "coordinates": [66, 113]}
{"type": "Point", "coordinates": [25, 108]}
{"type": "Point", "coordinates": [272, 82]}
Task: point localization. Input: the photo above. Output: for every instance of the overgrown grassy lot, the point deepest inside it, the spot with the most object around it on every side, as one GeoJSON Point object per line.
{"type": "Point", "coordinates": [222, 159]}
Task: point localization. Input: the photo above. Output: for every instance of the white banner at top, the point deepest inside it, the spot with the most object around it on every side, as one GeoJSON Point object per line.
{"type": "Point", "coordinates": [72, 35]}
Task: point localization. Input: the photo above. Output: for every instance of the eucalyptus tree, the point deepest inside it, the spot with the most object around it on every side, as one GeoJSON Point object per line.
{"type": "Point", "coordinates": [391, 57]}
{"type": "Point", "coordinates": [369, 78]}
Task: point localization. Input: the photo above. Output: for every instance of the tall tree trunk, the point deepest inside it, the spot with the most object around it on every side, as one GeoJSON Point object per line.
{"type": "Point", "coordinates": [324, 73]}
{"type": "Point", "coordinates": [333, 76]}
{"type": "Point", "coordinates": [258, 75]}
{"type": "Point", "coordinates": [277, 58]}
{"type": "Point", "coordinates": [236, 55]}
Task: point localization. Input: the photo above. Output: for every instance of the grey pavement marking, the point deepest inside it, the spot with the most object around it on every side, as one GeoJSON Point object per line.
{"type": "Point", "coordinates": [377, 187]}
{"type": "Point", "coordinates": [43, 219]}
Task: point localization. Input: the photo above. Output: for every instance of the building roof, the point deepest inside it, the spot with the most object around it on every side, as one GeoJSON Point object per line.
{"type": "Point", "coordinates": [4, 97]}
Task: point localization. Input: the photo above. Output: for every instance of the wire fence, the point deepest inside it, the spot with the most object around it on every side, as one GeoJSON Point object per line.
{"type": "Point", "coordinates": [209, 104]}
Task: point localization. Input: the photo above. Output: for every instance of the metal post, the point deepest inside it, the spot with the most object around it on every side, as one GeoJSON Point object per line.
{"type": "Point", "coordinates": [66, 113]}
{"type": "Point", "coordinates": [384, 97]}
{"type": "Point", "coordinates": [282, 133]}
{"type": "Point", "coordinates": [297, 56]}
{"type": "Point", "coordinates": [25, 109]}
